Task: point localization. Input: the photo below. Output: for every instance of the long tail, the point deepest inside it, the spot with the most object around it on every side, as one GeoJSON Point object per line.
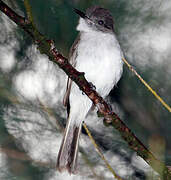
{"type": "Point", "coordinates": [67, 156]}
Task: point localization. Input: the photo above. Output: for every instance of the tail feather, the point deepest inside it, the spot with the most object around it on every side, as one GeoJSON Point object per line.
{"type": "Point", "coordinates": [67, 156]}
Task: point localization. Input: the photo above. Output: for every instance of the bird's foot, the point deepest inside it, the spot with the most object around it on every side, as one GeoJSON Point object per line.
{"type": "Point", "coordinates": [93, 87]}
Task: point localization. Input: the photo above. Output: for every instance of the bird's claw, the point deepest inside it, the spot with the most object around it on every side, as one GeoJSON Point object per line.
{"type": "Point", "coordinates": [93, 87]}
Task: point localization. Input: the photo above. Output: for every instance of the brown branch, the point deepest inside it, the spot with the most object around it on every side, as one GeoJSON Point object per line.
{"type": "Point", "coordinates": [47, 47]}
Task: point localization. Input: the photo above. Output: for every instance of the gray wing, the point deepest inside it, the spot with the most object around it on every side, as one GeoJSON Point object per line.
{"type": "Point", "coordinates": [72, 61]}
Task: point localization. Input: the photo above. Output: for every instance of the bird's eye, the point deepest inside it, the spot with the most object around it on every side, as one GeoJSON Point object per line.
{"type": "Point", "coordinates": [100, 22]}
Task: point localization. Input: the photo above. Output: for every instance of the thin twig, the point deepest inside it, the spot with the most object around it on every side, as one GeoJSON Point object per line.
{"type": "Point", "coordinates": [147, 86]}
{"type": "Point", "coordinates": [100, 153]}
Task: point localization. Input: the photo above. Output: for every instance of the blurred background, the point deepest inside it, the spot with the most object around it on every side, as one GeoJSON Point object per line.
{"type": "Point", "coordinates": [32, 88]}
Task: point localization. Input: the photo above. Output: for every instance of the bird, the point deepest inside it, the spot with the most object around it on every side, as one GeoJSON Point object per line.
{"type": "Point", "coordinates": [96, 52]}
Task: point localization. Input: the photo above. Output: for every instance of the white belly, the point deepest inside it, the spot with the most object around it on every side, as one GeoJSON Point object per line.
{"type": "Point", "coordinates": [99, 56]}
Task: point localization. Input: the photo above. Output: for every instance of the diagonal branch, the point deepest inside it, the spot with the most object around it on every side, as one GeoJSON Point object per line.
{"type": "Point", "coordinates": [47, 47]}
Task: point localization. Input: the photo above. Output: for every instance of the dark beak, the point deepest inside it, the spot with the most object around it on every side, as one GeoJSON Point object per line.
{"type": "Point", "coordinates": [80, 13]}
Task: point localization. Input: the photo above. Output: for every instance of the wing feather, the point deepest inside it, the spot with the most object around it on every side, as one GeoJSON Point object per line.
{"type": "Point", "coordinates": [72, 60]}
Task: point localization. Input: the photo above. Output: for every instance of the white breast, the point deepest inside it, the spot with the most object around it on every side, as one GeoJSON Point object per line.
{"type": "Point", "coordinates": [99, 56]}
